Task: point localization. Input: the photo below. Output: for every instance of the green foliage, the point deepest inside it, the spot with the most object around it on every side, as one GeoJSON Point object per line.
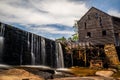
{"type": "Point", "coordinates": [74, 37]}
{"type": "Point", "coordinates": [75, 26]}
{"type": "Point", "coordinates": [61, 39]}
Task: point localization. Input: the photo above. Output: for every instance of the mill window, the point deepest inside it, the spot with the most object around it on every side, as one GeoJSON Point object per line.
{"type": "Point", "coordinates": [96, 15]}
{"type": "Point", "coordinates": [88, 34]}
{"type": "Point", "coordinates": [104, 33]}
{"type": "Point", "coordinates": [85, 25]}
{"type": "Point", "coordinates": [100, 21]}
{"type": "Point", "coordinates": [88, 17]}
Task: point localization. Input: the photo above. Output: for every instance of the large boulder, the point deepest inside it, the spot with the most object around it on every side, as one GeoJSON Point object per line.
{"type": "Point", "coordinates": [18, 74]}
{"type": "Point", "coordinates": [84, 78]}
{"type": "Point", "coordinates": [43, 71]}
{"type": "Point", "coordinates": [104, 73]}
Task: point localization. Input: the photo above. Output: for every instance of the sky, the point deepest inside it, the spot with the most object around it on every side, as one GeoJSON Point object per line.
{"type": "Point", "coordinates": [52, 19]}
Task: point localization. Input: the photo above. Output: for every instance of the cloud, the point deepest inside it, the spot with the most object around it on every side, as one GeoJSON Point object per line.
{"type": "Point", "coordinates": [50, 29]}
{"type": "Point", "coordinates": [42, 12]}
{"type": "Point", "coordinates": [33, 11]}
{"type": "Point", "coordinates": [62, 12]}
{"type": "Point", "coordinates": [114, 13]}
{"type": "Point", "coordinates": [53, 30]}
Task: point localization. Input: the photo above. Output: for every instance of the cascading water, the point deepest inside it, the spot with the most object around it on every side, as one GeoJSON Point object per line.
{"type": "Point", "coordinates": [43, 53]}
{"type": "Point", "coordinates": [59, 56]}
{"type": "Point", "coordinates": [21, 57]}
{"type": "Point", "coordinates": [24, 48]}
{"type": "Point", "coordinates": [32, 54]}
{"type": "Point", "coordinates": [1, 47]}
{"type": "Point", "coordinates": [2, 28]}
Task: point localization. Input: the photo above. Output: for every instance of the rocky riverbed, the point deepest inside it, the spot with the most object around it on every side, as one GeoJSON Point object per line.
{"type": "Point", "coordinates": [45, 73]}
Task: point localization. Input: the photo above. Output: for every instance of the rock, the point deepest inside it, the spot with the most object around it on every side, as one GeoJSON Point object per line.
{"type": "Point", "coordinates": [84, 78]}
{"type": "Point", "coordinates": [62, 74]}
{"type": "Point", "coordinates": [18, 74]}
{"type": "Point", "coordinates": [63, 69]}
{"type": "Point", "coordinates": [104, 73]}
{"type": "Point", "coordinates": [45, 75]}
{"type": "Point", "coordinates": [118, 67]}
{"type": "Point", "coordinates": [43, 71]}
{"type": "Point", "coordinates": [112, 69]}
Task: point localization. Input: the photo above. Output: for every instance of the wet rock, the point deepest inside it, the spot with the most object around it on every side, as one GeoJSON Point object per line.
{"type": "Point", "coordinates": [112, 69]}
{"type": "Point", "coordinates": [43, 71]}
{"type": "Point", "coordinates": [104, 73]}
{"type": "Point", "coordinates": [63, 72]}
{"type": "Point", "coordinates": [45, 75]}
{"type": "Point", "coordinates": [18, 74]}
{"type": "Point", "coordinates": [118, 67]}
{"type": "Point", "coordinates": [84, 78]}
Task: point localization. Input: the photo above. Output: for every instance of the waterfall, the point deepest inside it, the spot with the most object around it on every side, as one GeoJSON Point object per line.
{"type": "Point", "coordinates": [1, 47]}
{"type": "Point", "coordinates": [2, 28]}
{"type": "Point", "coordinates": [32, 54]}
{"type": "Point", "coordinates": [32, 49]}
{"type": "Point", "coordinates": [59, 56]}
{"type": "Point", "coordinates": [21, 56]}
{"type": "Point", "coordinates": [57, 59]}
{"type": "Point", "coordinates": [43, 53]}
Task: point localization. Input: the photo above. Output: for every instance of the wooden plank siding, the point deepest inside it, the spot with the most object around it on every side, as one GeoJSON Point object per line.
{"type": "Point", "coordinates": [116, 25]}
{"type": "Point", "coordinates": [99, 26]}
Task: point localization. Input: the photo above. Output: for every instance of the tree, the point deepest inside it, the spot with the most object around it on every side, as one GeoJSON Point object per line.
{"type": "Point", "coordinates": [75, 36]}
{"type": "Point", "coordinates": [62, 39]}
{"type": "Point", "coordinates": [75, 26]}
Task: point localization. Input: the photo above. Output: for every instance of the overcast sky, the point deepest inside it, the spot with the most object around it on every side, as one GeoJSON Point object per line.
{"type": "Point", "coordinates": [51, 18]}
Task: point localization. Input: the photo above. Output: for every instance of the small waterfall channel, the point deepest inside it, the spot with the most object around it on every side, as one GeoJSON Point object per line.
{"type": "Point", "coordinates": [32, 48]}
{"type": "Point", "coordinates": [1, 47]}
{"type": "Point", "coordinates": [43, 52]}
{"type": "Point", "coordinates": [2, 29]}
{"type": "Point", "coordinates": [59, 56]}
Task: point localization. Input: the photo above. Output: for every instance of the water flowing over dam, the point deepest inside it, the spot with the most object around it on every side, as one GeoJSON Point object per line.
{"type": "Point", "coordinates": [18, 47]}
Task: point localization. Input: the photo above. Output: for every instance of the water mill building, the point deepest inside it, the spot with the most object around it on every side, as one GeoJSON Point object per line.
{"type": "Point", "coordinates": [99, 28]}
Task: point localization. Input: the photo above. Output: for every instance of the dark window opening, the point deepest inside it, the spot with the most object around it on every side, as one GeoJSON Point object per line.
{"type": "Point", "coordinates": [117, 39]}
{"type": "Point", "coordinates": [100, 21]}
{"type": "Point", "coordinates": [88, 34]}
{"type": "Point", "coordinates": [88, 17]}
{"type": "Point", "coordinates": [85, 25]}
{"type": "Point", "coordinates": [104, 33]}
{"type": "Point", "coordinates": [96, 15]}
